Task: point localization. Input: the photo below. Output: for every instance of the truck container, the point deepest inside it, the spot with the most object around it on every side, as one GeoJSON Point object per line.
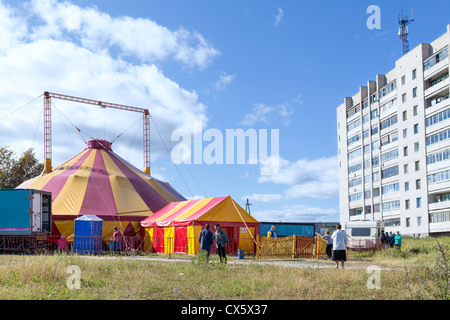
{"type": "Point", "coordinates": [284, 229]}
{"type": "Point", "coordinates": [25, 212]}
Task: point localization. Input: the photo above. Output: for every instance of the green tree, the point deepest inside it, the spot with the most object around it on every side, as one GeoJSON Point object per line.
{"type": "Point", "coordinates": [13, 172]}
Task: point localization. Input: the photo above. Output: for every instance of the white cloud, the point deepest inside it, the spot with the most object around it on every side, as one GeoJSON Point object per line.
{"type": "Point", "coordinates": [196, 197]}
{"type": "Point", "coordinates": [316, 178]}
{"type": "Point", "coordinates": [137, 38]}
{"type": "Point", "coordinates": [109, 59]}
{"type": "Point", "coordinates": [263, 197]}
{"type": "Point", "coordinates": [263, 113]}
{"type": "Point", "coordinates": [278, 17]}
{"type": "Point", "coordinates": [224, 81]}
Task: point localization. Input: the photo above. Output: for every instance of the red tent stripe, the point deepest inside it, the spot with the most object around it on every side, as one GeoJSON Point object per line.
{"type": "Point", "coordinates": [99, 197]}
{"type": "Point", "coordinates": [56, 184]}
{"type": "Point", "coordinates": [147, 222]}
{"type": "Point", "coordinates": [211, 204]}
{"type": "Point", "coordinates": [150, 196]}
{"type": "Point", "coordinates": [177, 213]}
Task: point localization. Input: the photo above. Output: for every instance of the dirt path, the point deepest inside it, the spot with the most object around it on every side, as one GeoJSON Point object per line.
{"type": "Point", "coordinates": [298, 263]}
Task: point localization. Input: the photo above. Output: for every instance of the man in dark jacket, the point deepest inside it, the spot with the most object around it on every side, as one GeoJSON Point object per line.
{"type": "Point", "coordinates": [221, 240]}
{"type": "Point", "coordinates": [206, 240]}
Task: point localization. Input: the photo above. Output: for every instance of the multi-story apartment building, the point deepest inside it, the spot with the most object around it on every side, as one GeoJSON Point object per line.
{"type": "Point", "coordinates": [394, 145]}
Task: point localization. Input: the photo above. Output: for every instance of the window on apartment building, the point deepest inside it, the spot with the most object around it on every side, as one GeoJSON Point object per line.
{"type": "Point", "coordinates": [366, 118]}
{"type": "Point", "coordinates": [406, 186]}
{"type": "Point", "coordinates": [376, 192]}
{"type": "Point", "coordinates": [375, 161]}
{"type": "Point", "coordinates": [376, 177]}
{"type": "Point", "coordinates": [416, 147]}
{"type": "Point", "coordinates": [415, 110]}
{"type": "Point", "coordinates": [354, 154]}
{"type": "Point", "coordinates": [414, 92]}
{"type": "Point", "coordinates": [439, 136]}
{"type": "Point", "coordinates": [405, 151]}
{"type": "Point", "coordinates": [373, 114]}
{"type": "Point", "coordinates": [408, 222]}
{"type": "Point", "coordinates": [419, 202]}
{"type": "Point", "coordinates": [404, 98]}
{"type": "Point", "coordinates": [403, 80]}
{"type": "Point", "coordinates": [405, 168]}
{"type": "Point", "coordinates": [366, 133]}
{"type": "Point", "coordinates": [389, 172]}
{"type": "Point", "coordinates": [374, 130]}
{"type": "Point", "coordinates": [416, 128]}
{"type": "Point", "coordinates": [376, 145]}
{"type": "Point", "coordinates": [376, 207]}
{"type": "Point", "coordinates": [388, 122]}
{"type": "Point", "coordinates": [418, 184]}
{"type": "Point", "coordinates": [407, 204]}
{"type": "Point", "coordinates": [419, 221]}
{"type": "Point", "coordinates": [417, 165]}
{"type": "Point", "coordinates": [405, 133]}
{"type": "Point", "coordinates": [405, 115]}
{"type": "Point", "coordinates": [414, 74]}
{"type": "Point", "coordinates": [390, 205]}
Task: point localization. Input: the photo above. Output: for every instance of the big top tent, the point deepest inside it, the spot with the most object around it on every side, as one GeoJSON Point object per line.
{"type": "Point", "coordinates": [99, 182]}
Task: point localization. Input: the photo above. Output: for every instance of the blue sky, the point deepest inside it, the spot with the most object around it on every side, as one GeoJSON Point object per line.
{"type": "Point", "coordinates": [283, 65]}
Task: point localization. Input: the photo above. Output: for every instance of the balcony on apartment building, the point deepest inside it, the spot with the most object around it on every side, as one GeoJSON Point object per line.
{"type": "Point", "coordinates": [437, 101]}
{"type": "Point", "coordinates": [437, 84]}
{"type": "Point", "coordinates": [435, 64]}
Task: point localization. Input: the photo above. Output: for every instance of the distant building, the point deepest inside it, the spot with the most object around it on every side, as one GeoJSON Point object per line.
{"type": "Point", "coordinates": [394, 145]}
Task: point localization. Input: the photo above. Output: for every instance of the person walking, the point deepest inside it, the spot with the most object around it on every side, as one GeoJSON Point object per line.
{"type": "Point", "coordinates": [221, 240]}
{"type": "Point", "coordinates": [340, 241]}
{"type": "Point", "coordinates": [271, 233]}
{"type": "Point", "coordinates": [329, 247]}
{"type": "Point", "coordinates": [383, 239]}
{"type": "Point", "coordinates": [117, 239]}
{"type": "Point", "coordinates": [391, 239]}
{"type": "Point", "coordinates": [206, 239]}
{"type": "Point", "coordinates": [398, 240]}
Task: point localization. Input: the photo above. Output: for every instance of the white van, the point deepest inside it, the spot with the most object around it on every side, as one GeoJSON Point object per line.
{"type": "Point", "coordinates": [364, 235]}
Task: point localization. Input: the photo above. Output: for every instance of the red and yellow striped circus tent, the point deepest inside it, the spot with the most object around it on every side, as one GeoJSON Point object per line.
{"type": "Point", "coordinates": [99, 182]}
{"type": "Point", "coordinates": [176, 227]}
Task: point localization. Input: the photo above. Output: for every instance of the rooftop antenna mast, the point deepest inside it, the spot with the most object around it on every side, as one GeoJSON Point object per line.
{"type": "Point", "coordinates": [403, 30]}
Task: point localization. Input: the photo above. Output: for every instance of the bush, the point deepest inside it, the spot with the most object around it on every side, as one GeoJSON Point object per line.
{"type": "Point", "coordinates": [431, 282]}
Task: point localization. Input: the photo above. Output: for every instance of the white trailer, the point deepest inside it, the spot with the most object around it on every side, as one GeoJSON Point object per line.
{"type": "Point", "coordinates": [364, 235]}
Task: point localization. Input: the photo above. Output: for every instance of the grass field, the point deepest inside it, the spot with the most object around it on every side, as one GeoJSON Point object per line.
{"type": "Point", "coordinates": [412, 273]}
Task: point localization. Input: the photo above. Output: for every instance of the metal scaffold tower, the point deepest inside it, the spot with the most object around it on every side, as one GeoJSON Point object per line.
{"type": "Point", "coordinates": [48, 125]}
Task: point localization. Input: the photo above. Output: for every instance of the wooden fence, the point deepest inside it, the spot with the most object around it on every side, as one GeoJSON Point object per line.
{"type": "Point", "coordinates": [290, 247]}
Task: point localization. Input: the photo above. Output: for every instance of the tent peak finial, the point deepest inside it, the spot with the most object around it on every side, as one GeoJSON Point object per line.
{"type": "Point", "coordinates": [99, 144]}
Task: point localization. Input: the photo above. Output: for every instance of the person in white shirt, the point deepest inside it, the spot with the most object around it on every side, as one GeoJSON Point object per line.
{"type": "Point", "coordinates": [340, 241]}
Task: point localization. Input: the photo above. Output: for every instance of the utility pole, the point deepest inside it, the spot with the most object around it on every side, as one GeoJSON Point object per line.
{"type": "Point", "coordinates": [403, 31]}
{"type": "Point", "coordinates": [247, 206]}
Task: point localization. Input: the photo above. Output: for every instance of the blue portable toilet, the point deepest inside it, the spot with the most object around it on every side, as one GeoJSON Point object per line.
{"type": "Point", "coordinates": [88, 235]}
